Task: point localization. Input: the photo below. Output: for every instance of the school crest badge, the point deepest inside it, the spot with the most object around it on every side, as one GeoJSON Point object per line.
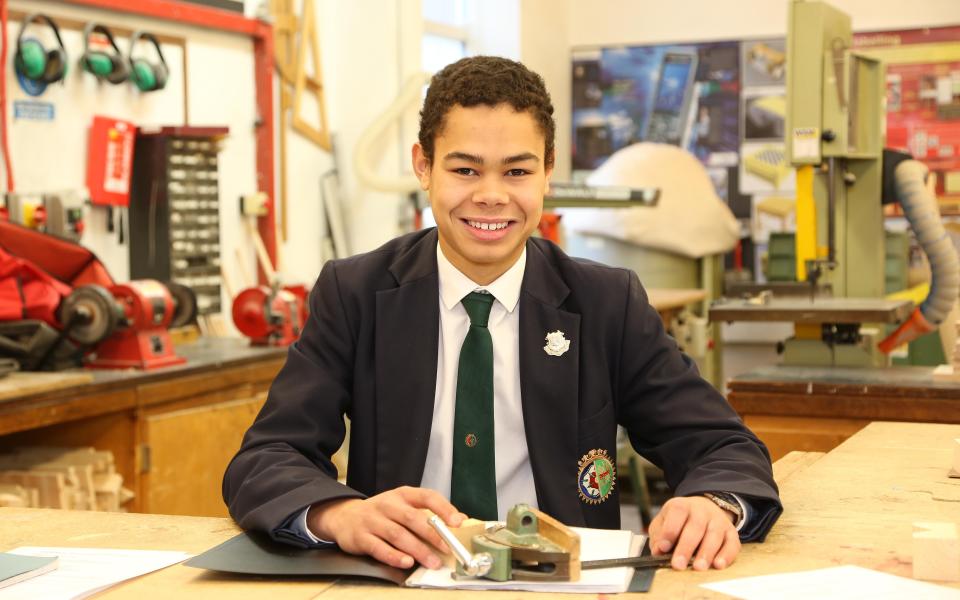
{"type": "Point", "coordinates": [596, 476]}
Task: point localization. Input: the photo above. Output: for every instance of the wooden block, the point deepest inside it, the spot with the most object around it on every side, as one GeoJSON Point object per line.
{"type": "Point", "coordinates": [563, 536]}
{"type": "Point", "coordinates": [125, 496]}
{"type": "Point", "coordinates": [108, 486]}
{"type": "Point", "coordinates": [79, 467]}
{"type": "Point", "coordinates": [946, 373]}
{"type": "Point", "coordinates": [936, 551]}
{"type": "Point", "coordinates": [14, 496]}
{"type": "Point", "coordinates": [955, 469]}
{"type": "Point", "coordinates": [52, 491]}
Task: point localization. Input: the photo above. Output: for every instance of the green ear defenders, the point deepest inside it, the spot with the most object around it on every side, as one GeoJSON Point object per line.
{"type": "Point", "coordinates": [147, 76]}
{"type": "Point", "coordinates": [35, 62]}
{"type": "Point", "coordinates": [108, 66]}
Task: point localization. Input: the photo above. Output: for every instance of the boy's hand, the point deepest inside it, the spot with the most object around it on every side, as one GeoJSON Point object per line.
{"type": "Point", "coordinates": [686, 524]}
{"type": "Point", "coordinates": [391, 527]}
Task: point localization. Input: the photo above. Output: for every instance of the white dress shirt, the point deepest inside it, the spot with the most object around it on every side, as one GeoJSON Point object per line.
{"type": "Point", "coordinates": [513, 471]}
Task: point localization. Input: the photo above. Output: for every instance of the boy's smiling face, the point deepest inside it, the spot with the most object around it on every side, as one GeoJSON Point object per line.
{"type": "Point", "coordinates": [486, 186]}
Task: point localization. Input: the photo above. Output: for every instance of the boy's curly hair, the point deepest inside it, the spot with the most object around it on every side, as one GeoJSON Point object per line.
{"type": "Point", "coordinates": [487, 80]}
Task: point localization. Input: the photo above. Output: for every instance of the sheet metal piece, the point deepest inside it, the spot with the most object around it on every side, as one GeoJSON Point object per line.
{"type": "Point", "coordinates": [820, 310]}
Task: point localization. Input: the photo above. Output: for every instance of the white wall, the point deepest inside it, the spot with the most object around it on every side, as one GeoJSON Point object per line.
{"type": "Point", "coordinates": [545, 29]}
{"type": "Point", "coordinates": [631, 22]}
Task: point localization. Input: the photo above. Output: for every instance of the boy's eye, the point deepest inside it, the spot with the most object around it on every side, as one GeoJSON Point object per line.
{"type": "Point", "coordinates": [517, 172]}
{"type": "Point", "coordinates": [464, 171]}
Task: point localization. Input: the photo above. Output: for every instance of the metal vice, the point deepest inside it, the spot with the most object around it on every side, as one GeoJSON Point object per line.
{"type": "Point", "coordinates": [531, 546]}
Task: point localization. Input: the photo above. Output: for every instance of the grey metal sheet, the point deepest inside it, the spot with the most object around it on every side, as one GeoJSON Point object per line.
{"type": "Point", "coordinates": [820, 310]}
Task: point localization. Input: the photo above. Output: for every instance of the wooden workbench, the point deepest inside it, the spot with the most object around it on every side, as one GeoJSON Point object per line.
{"type": "Point", "coordinates": [854, 505]}
{"type": "Point", "coordinates": [669, 301]}
{"type": "Point", "coordinates": [171, 430]}
{"type": "Point", "coordinates": [816, 408]}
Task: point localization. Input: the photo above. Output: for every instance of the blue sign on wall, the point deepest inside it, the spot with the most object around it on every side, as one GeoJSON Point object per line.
{"type": "Point", "coordinates": [33, 110]}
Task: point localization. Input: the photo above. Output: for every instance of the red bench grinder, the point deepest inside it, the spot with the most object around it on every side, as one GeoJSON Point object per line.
{"type": "Point", "coordinates": [127, 323]}
{"type": "Point", "coordinates": [271, 317]}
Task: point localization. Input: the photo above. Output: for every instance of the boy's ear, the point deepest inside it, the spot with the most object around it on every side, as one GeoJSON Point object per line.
{"type": "Point", "coordinates": [421, 166]}
{"type": "Point", "coordinates": [549, 172]}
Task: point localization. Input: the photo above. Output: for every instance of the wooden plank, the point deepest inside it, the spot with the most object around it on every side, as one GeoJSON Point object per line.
{"type": "Point", "coordinates": [16, 385]}
{"type": "Point", "coordinates": [23, 414]}
{"type": "Point", "coordinates": [919, 409]}
{"type": "Point", "coordinates": [51, 487]}
{"type": "Point", "coordinates": [184, 479]}
{"type": "Point", "coordinates": [936, 551]}
{"type": "Point", "coordinates": [662, 299]}
{"type": "Point", "coordinates": [196, 384]}
{"type": "Point", "coordinates": [16, 496]}
{"type": "Point", "coordinates": [890, 381]}
{"type": "Point", "coordinates": [792, 463]}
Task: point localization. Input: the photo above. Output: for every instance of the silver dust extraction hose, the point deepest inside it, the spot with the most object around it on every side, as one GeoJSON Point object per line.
{"type": "Point", "coordinates": [923, 213]}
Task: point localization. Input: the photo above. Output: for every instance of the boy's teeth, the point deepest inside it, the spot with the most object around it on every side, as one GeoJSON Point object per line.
{"type": "Point", "coordinates": [487, 226]}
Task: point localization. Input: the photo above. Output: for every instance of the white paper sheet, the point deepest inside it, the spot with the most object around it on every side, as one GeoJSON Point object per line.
{"type": "Point", "coordinates": [595, 544]}
{"type": "Point", "coordinates": [834, 583]}
{"type": "Point", "coordinates": [85, 571]}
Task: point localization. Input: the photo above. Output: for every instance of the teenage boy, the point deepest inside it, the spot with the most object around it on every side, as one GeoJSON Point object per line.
{"type": "Point", "coordinates": [481, 367]}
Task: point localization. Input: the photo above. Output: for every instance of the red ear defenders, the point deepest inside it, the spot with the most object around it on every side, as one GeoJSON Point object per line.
{"type": "Point", "coordinates": [147, 76]}
{"type": "Point", "coordinates": [33, 60]}
{"type": "Point", "coordinates": [105, 65]}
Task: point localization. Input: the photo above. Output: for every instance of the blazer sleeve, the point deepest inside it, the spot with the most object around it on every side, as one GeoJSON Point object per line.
{"type": "Point", "coordinates": [284, 463]}
{"type": "Point", "coordinates": [678, 421]}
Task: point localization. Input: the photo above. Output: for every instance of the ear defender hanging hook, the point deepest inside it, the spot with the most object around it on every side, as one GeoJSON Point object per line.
{"type": "Point", "coordinates": [106, 66]}
{"type": "Point", "coordinates": [146, 75]}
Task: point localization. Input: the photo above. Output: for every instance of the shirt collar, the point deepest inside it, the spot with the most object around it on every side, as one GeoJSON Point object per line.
{"type": "Point", "coordinates": [454, 285]}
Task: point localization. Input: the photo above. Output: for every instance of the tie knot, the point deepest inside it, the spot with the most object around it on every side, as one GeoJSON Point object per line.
{"type": "Point", "coordinates": [478, 307]}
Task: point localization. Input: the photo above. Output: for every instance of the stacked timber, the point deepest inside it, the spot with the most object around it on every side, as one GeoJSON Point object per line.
{"type": "Point", "coordinates": [68, 478]}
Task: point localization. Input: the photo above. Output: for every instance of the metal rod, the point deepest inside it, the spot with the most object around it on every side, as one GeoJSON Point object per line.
{"type": "Point", "coordinates": [831, 207]}
{"type": "Point", "coordinates": [474, 565]}
{"type": "Point", "coordinates": [638, 562]}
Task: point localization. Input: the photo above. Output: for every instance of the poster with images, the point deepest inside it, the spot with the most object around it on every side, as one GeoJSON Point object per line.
{"type": "Point", "coordinates": [763, 108]}
{"type": "Point", "coordinates": [682, 94]}
{"type": "Point", "coordinates": [923, 99]}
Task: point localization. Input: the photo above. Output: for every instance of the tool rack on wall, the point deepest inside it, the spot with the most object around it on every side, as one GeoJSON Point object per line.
{"type": "Point", "coordinates": [175, 210]}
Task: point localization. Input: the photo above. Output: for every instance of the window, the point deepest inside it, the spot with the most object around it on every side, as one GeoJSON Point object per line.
{"type": "Point", "coordinates": [445, 33]}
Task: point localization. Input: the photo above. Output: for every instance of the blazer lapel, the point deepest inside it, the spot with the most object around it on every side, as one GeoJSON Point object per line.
{"type": "Point", "coordinates": [408, 327]}
{"type": "Point", "coordinates": [550, 389]}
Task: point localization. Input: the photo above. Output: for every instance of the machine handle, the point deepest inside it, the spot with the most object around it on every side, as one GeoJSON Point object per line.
{"type": "Point", "coordinates": [474, 565]}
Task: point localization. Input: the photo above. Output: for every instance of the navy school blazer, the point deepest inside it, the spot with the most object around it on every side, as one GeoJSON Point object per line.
{"type": "Point", "coordinates": [369, 351]}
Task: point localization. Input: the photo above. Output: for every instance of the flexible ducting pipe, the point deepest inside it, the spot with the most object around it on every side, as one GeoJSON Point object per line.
{"type": "Point", "coordinates": [370, 146]}
{"type": "Point", "coordinates": [923, 212]}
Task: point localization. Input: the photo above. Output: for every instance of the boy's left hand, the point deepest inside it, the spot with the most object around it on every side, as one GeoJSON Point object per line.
{"type": "Point", "coordinates": [695, 524]}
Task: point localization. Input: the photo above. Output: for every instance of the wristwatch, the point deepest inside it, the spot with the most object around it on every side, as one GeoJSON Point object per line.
{"type": "Point", "coordinates": [727, 503]}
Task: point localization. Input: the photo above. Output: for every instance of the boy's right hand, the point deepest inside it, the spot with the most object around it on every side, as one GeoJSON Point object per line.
{"type": "Point", "coordinates": [391, 527]}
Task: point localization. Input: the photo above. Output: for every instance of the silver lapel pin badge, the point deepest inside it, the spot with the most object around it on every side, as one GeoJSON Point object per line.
{"type": "Point", "coordinates": [556, 343]}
